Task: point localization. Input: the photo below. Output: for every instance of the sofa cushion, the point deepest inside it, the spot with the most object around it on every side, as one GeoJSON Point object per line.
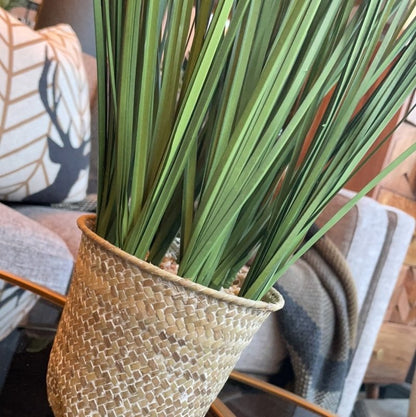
{"type": "Point", "coordinates": [62, 222]}
{"type": "Point", "coordinates": [266, 352]}
{"type": "Point", "coordinates": [32, 251]}
{"type": "Point", "coordinates": [44, 97]}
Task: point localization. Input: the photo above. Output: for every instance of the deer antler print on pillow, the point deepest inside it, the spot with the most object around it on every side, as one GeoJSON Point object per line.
{"type": "Point", "coordinates": [44, 114]}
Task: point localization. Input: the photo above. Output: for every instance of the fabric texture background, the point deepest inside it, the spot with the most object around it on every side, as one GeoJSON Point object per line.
{"type": "Point", "coordinates": [375, 253]}
{"type": "Point", "coordinates": [62, 222]}
{"type": "Point", "coordinates": [45, 128]}
{"type": "Point", "coordinates": [32, 251]}
{"type": "Point", "coordinates": [319, 330]}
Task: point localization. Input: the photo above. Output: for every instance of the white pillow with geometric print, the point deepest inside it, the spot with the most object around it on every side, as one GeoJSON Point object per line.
{"type": "Point", "coordinates": [44, 114]}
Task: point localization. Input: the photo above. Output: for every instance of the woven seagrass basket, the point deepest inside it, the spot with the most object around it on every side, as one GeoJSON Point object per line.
{"type": "Point", "coordinates": [135, 340]}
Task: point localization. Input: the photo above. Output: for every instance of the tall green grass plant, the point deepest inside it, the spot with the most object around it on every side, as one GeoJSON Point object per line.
{"type": "Point", "coordinates": [204, 108]}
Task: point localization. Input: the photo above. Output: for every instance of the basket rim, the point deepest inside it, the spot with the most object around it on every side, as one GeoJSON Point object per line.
{"type": "Point", "coordinates": [87, 221]}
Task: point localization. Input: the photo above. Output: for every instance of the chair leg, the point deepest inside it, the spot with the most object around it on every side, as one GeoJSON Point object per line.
{"type": "Point", "coordinates": [372, 391]}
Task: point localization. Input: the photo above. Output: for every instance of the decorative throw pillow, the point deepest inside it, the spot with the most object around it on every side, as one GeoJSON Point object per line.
{"type": "Point", "coordinates": [44, 114]}
{"type": "Point", "coordinates": [24, 10]}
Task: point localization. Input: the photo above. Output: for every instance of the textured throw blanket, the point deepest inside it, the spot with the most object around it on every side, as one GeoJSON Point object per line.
{"type": "Point", "coordinates": [319, 329]}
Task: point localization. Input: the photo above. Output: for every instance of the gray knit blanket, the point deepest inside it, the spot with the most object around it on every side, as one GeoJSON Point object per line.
{"type": "Point", "coordinates": [319, 323]}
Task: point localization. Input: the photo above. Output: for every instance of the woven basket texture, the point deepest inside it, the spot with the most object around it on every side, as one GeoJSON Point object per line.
{"type": "Point", "coordinates": [134, 340]}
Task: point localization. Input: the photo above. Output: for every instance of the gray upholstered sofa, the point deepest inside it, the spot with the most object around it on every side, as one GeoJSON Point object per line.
{"type": "Point", "coordinates": [40, 243]}
{"type": "Point", "coordinates": [374, 240]}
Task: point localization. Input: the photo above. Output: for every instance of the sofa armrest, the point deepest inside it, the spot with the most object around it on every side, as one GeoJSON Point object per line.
{"type": "Point", "coordinates": [32, 251]}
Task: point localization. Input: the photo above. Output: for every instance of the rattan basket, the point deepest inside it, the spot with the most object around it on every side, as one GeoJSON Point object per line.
{"type": "Point", "coordinates": [135, 340]}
